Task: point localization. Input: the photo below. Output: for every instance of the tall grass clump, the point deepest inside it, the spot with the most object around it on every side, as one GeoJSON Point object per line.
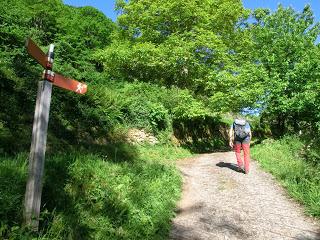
{"type": "Point", "coordinates": [286, 160]}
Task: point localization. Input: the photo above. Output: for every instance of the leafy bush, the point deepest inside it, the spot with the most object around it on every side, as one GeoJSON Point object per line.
{"type": "Point", "coordinates": [147, 115]}
{"type": "Point", "coordinates": [204, 134]}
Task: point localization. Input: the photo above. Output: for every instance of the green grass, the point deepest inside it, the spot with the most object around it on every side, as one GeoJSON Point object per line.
{"type": "Point", "coordinates": [163, 153]}
{"type": "Point", "coordinates": [284, 159]}
{"type": "Point", "coordinates": [12, 186]}
{"type": "Point", "coordinates": [121, 194]}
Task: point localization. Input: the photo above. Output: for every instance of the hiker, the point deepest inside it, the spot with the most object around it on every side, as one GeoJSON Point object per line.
{"type": "Point", "coordinates": [239, 137]}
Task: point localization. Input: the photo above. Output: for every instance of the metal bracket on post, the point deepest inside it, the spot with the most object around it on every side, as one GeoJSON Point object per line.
{"type": "Point", "coordinates": [48, 75]}
{"type": "Point", "coordinates": [49, 63]}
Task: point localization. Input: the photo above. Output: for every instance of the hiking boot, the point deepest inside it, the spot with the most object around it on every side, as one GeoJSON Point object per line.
{"type": "Point", "coordinates": [240, 169]}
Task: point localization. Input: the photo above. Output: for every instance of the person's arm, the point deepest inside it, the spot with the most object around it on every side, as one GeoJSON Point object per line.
{"type": "Point", "coordinates": [231, 136]}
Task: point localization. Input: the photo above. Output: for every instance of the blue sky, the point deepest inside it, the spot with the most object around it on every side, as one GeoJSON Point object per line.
{"type": "Point", "coordinates": [297, 5]}
{"type": "Point", "coordinates": [107, 6]}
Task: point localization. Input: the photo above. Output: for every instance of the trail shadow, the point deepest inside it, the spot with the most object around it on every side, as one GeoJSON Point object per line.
{"type": "Point", "coordinates": [208, 225]}
{"type": "Point", "coordinates": [181, 232]}
{"type": "Point", "coordinates": [231, 166]}
{"type": "Point", "coordinates": [223, 225]}
{"type": "Point", "coordinates": [313, 236]}
{"type": "Point", "coordinates": [194, 208]}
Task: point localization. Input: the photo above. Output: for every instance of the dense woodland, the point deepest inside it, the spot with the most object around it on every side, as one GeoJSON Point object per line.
{"type": "Point", "coordinates": [177, 69]}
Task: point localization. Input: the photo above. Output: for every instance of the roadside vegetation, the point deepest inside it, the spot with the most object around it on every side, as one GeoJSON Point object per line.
{"type": "Point", "coordinates": [176, 70]}
{"type": "Point", "coordinates": [296, 166]}
{"type": "Point", "coordinates": [96, 196]}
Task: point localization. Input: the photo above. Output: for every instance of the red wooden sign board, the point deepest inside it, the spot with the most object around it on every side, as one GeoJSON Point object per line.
{"type": "Point", "coordinates": [69, 84]}
{"type": "Point", "coordinates": [36, 53]}
{"type": "Point", "coordinates": [56, 79]}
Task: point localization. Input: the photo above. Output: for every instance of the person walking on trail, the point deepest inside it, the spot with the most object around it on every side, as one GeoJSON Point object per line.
{"type": "Point", "coordinates": [240, 137]}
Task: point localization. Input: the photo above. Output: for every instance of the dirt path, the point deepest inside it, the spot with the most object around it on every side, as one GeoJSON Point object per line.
{"type": "Point", "coordinates": [220, 203]}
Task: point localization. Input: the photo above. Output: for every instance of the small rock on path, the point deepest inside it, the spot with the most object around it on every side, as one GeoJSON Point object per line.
{"type": "Point", "coordinates": [221, 203]}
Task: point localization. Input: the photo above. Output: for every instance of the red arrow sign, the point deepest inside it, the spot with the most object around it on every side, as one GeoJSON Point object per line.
{"type": "Point", "coordinates": [36, 53]}
{"type": "Point", "coordinates": [57, 79]}
{"type": "Point", "coordinates": [69, 84]}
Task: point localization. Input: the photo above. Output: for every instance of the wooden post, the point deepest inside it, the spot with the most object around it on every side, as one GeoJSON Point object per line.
{"type": "Point", "coordinates": [37, 155]}
{"type": "Point", "coordinates": [38, 149]}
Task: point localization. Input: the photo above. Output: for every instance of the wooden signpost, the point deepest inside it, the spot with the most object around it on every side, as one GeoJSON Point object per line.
{"type": "Point", "coordinates": [39, 132]}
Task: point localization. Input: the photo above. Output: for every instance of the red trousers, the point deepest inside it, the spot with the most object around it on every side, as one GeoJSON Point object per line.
{"type": "Point", "coordinates": [246, 155]}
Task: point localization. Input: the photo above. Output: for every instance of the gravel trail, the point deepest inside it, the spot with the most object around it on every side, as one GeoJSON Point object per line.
{"type": "Point", "coordinates": [220, 203]}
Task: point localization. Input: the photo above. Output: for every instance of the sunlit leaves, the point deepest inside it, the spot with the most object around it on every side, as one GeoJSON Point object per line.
{"type": "Point", "coordinates": [285, 47]}
{"type": "Point", "coordinates": [193, 45]}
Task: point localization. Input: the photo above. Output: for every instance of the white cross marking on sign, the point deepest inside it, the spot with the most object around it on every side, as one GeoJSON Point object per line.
{"type": "Point", "coordinates": [80, 87]}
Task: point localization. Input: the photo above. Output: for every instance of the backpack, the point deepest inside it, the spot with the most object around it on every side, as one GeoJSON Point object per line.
{"type": "Point", "coordinates": [241, 129]}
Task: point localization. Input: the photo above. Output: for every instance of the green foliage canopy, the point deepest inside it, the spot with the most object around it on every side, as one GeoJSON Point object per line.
{"type": "Point", "coordinates": [284, 46]}
{"type": "Point", "coordinates": [75, 32]}
{"type": "Point", "coordinates": [195, 45]}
